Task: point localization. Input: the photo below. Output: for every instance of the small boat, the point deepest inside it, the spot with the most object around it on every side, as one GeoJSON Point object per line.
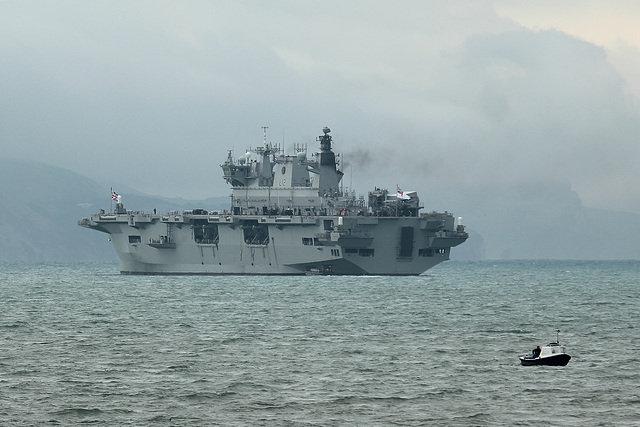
{"type": "Point", "coordinates": [552, 354]}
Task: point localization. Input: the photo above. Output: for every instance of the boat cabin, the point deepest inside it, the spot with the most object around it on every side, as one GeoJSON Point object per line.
{"type": "Point", "coordinates": [552, 349]}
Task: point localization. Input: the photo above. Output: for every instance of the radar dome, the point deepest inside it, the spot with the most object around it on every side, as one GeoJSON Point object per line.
{"type": "Point", "coordinates": [302, 156]}
{"type": "Point", "coordinates": [326, 130]}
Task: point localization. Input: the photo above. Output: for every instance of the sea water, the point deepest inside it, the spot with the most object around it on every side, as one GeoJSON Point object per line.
{"type": "Point", "coordinates": [82, 344]}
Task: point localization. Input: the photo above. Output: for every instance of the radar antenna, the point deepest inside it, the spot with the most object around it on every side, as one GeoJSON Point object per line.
{"type": "Point", "coordinates": [325, 140]}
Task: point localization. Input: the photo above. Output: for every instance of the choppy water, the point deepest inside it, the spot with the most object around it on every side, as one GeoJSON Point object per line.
{"type": "Point", "coordinates": [81, 344]}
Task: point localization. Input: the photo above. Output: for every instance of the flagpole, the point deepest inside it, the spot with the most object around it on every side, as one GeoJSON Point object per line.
{"type": "Point", "coordinates": [397, 201]}
{"type": "Point", "coordinates": [111, 199]}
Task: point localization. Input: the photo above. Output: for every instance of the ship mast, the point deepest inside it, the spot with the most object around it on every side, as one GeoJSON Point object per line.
{"type": "Point", "coordinates": [328, 175]}
{"type": "Point", "coordinates": [264, 131]}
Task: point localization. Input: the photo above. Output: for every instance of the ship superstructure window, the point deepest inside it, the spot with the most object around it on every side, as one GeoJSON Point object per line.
{"type": "Point", "coordinates": [335, 252]}
{"type": "Point", "coordinates": [311, 241]}
{"type": "Point", "coordinates": [134, 239]}
{"type": "Point", "coordinates": [350, 250]}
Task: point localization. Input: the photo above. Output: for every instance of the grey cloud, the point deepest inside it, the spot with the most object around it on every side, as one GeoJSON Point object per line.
{"type": "Point", "coordinates": [436, 95]}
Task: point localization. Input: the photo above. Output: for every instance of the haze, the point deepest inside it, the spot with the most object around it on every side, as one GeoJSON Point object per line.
{"type": "Point", "coordinates": [449, 98]}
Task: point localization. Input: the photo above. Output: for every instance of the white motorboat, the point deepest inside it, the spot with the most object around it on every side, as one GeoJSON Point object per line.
{"type": "Point", "coordinates": [552, 354]}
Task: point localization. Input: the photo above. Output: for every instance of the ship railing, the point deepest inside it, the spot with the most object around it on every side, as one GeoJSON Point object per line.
{"type": "Point", "coordinates": [356, 234]}
{"type": "Point", "coordinates": [257, 242]}
{"type": "Point", "coordinates": [326, 235]}
{"type": "Point", "coordinates": [160, 241]}
{"type": "Point", "coordinates": [213, 241]}
{"type": "Point", "coordinates": [447, 234]}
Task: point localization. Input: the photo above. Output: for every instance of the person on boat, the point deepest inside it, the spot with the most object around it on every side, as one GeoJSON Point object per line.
{"type": "Point", "coordinates": [536, 352]}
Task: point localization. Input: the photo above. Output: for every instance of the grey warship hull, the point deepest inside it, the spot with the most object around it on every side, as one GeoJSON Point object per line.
{"type": "Point", "coordinates": [157, 244]}
{"type": "Point", "coordinates": [284, 222]}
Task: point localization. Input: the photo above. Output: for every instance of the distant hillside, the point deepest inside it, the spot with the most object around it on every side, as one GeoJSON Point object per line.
{"type": "Point", "coordinates": [545, 222]}
{"type": "Point", "coordinates": [40, 206]}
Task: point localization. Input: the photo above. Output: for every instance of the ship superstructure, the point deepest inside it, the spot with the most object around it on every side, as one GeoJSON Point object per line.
{"type": "Point", "coordinates": [289, 215]}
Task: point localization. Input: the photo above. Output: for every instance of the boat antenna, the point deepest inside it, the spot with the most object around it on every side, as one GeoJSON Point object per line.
{"type": "Point", "coordinates": [264, 129]}
{"type": "Point", "coordinates": [557, 336]}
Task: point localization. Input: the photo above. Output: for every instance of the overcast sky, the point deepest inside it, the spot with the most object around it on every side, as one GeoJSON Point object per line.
{"type": "Point", "coordinates": [450, 95]}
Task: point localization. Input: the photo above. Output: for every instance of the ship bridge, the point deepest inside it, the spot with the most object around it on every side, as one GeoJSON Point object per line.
{"type": "Point", "coordinates": [265, 179]}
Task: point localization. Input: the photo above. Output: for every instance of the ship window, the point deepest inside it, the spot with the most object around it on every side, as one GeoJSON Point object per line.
{"type": "Point", "coordinates": [134, 239]}
{"type": "Point", "coordinates": [204, 232]}
{"type": "Point", "coordinates": [255, 234]}
{"type": "Point", "coordinates": [366, 252]}
{"type": "Point", "coordinates": [316, 242]}
{"type": "Point", "coordinates": [328, 224]}
{"type": "Point", "coordinates": [350, 250]}
{"type": "Point", "coordinates": [307, 241]}
{"type": "Point", "coordinates": [425, 252]}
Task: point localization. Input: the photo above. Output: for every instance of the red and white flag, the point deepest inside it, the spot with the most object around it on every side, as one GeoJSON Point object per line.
{"type": "Point", "coordinates": [114, 195]}
{"type": "Point", "coordinates": [400, 195]}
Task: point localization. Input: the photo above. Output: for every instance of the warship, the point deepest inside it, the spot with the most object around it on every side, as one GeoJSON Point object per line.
{"type": "Point", "coordinates": [289, 215]}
